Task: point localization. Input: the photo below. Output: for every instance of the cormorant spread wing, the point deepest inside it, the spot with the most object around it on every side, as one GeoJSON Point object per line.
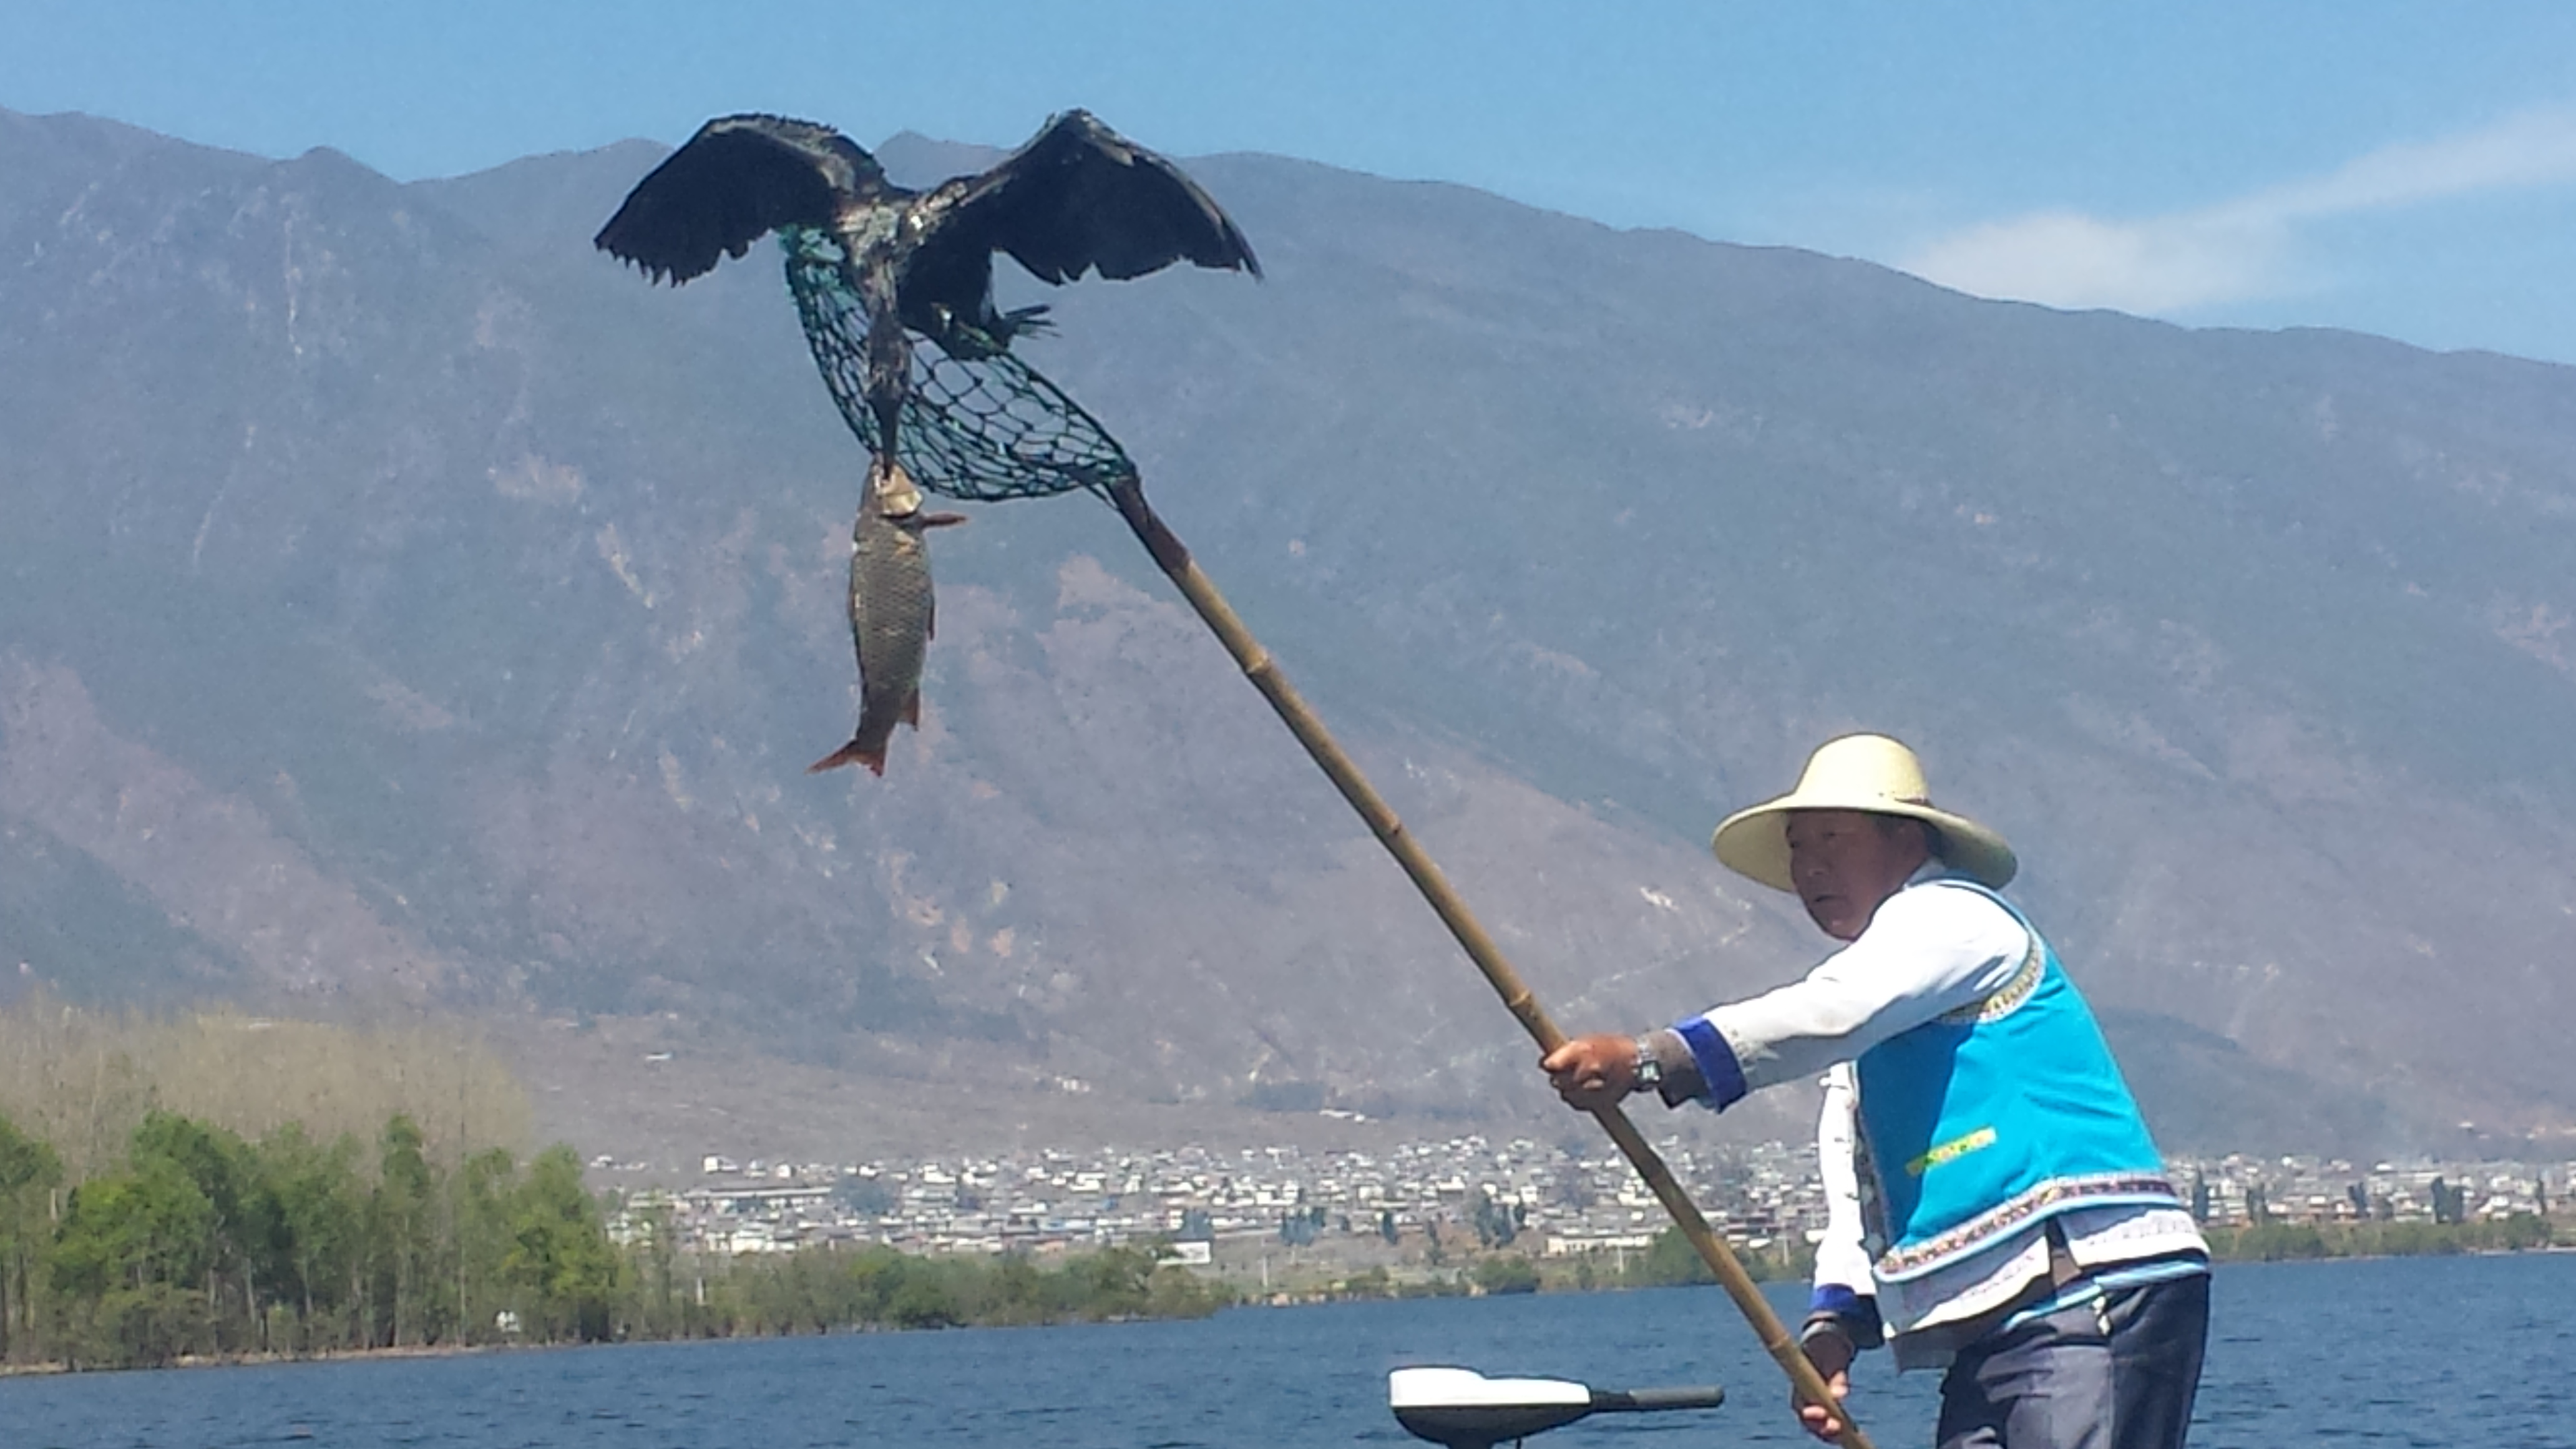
{"type": "Point", "coordinates": [1080, 196]}
{"type": "Point", "coordinates": [737, 179]}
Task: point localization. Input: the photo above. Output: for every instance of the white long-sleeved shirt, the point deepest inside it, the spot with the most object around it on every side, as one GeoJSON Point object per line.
{"type": "Point", "coordinates": [1925, 952]}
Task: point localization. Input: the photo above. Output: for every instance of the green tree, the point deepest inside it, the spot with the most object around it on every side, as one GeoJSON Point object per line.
{"type": "Point", "coordinates": [864, 1197]}
{"type": "Point", "coordinates": [324, 1213]}
{"type": "Point", "coordinates": [1507, 1273]}
{"type": "Point", "coordinates": [413, 1297]}
{"type": "Point", "coordinates": [1671, 1259]}
{"type": "Point", "coordinates": [1116, 1282]}
{"type": "Point", "coordinates": [245, 1235]}
{"type": "Point", "coordinates": [560, 1255]}
{"type": "Point", "coordinates": [874, 1277]}
{"type": "Point", "coordinates": [29, 1172]}
{"type": "Point", "coordinates": [651, 1293]}
{"type": "Point", "coordinates": [1019, 1293]}
{"type": "Point", "coordinates": [1176, 1292]}
{"type": "Point", "coordinates": [922, 1301]}
{"type": "Point", "coordinates": [481, 1239]}
{"type": "Point", "coordinates": [798, 1293]}
{"type": "Point", "coordinates": [132, 1247]}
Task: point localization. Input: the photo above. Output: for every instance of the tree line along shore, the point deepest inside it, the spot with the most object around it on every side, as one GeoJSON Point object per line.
{"type": "Point", "coordinates": [1670, 1261]}
{"type": "Point", "coordinates": [204, 1189]}
{"type": "Point", "coordinates": [203, 1244]}
{"type": "Point", "coordinates": [227, 1186]}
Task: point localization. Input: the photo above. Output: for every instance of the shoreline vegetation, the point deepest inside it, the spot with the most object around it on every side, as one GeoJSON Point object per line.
{"type": "Point", "coordinates": [1671, 1262]}
{"type": "Point", "coordinates": [228, 1188]}
{"type": "Point", "coordinates": [655, 1298]}
{"type": "Point", "coordinates": [2278, 1242]}
{"type": "Point", "coordinates": [200, 1245]}
{"type": "Point", "coordinates": [307, 1210]}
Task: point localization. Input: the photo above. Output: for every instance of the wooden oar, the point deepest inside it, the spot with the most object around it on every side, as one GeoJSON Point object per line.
{"type": "Point", "coordinates": [1174, 559]}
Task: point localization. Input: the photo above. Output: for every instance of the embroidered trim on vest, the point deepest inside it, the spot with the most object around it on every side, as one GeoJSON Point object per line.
{"type": "Point", "coordinates": [2001, 1002]}
{"type": "Point", "coordinates": [2045, 1198]}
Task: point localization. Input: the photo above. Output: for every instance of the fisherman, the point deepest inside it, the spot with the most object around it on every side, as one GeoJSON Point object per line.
{"type": "Point", "coordinates": [1976, 1134]}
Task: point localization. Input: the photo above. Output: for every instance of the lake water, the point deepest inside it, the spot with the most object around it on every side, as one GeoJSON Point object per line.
{"type": "Point", "coordinates": [2436, 1352]}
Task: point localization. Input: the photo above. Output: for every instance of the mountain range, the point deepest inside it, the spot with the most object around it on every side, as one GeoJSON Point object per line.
{"type": "Point", "coordinates": [404, 608]}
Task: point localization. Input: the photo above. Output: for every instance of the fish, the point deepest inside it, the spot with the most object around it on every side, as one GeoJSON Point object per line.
{"type": "Point", "coordinates": [891, 613]}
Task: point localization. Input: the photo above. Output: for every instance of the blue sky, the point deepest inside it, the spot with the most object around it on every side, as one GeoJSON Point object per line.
{"type": "Point", "coordinates": [2408, 170]}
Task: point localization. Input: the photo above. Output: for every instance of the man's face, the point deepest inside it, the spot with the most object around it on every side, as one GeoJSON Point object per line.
{"type": "Point", "coordinates": [1845, 863]}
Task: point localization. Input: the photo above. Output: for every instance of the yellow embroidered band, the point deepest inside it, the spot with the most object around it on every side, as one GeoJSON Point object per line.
{"type": "Point", "coordinates": [1951, 1151]}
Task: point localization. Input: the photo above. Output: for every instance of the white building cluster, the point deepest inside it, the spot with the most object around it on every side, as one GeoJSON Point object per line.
{"type": "Point", "coordinates": [1556, 1200]}
{"type": "Point", "coordinates": [2237, 1190]}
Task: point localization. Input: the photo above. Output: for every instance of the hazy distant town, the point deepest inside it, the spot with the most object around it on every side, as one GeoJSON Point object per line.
{"type": "Point", "coordinates": [1468, 1191]}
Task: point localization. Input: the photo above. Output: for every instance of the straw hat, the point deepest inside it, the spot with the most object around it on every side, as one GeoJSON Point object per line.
{"type": "Point", "coordinates": [1857, 772]}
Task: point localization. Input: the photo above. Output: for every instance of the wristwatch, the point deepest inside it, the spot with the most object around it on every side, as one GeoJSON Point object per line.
{"type": "Point", "coordinates": [1650, 1068]}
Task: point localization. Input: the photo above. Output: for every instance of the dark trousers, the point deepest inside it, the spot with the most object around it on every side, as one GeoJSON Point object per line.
{"type": "Point", "coordinates": [2117, 1373]}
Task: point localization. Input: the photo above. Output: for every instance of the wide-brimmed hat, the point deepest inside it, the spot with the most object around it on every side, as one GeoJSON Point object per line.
{"type": "Point", "coordinates": [1857, 772]}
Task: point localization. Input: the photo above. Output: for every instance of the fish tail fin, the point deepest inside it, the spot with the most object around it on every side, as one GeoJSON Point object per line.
{"type": "Point", "coordinates": [852, 753]}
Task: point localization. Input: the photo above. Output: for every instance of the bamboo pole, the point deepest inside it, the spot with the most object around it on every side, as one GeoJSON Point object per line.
{"type": "Point", "coordinates": [1174, 559]}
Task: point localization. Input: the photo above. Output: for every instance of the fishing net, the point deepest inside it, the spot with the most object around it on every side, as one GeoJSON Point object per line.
{"type": "Point", "coordinates": [984, 430]}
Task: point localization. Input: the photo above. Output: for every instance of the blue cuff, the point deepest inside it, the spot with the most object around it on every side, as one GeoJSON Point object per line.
{"type": "Point", "coordinates": [1719, 1072]}
{"type": "Point", "coordinates": [1856, 1314]}
{"type": "Point", "coordinates": [1835, 1298]}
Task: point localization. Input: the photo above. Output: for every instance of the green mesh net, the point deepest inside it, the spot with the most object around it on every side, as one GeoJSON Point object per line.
{"type": "Point", "coordinates": [983, 430]}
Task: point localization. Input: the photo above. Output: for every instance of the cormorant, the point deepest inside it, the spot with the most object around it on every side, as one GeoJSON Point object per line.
{"type": "Point", "coordinates": [1078, 197]}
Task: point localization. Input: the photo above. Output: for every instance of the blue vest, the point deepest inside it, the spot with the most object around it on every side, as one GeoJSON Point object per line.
{"type": "Point", "coordinates": [1998, 1115]}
